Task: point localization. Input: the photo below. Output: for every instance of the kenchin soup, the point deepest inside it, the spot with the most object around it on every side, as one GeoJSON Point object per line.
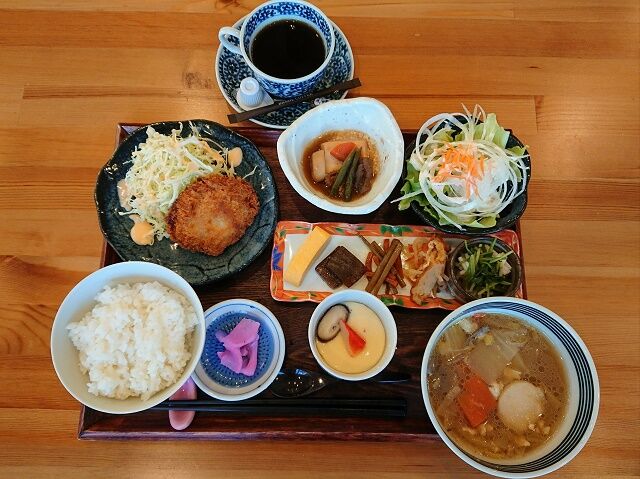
{"type": "Point", "coordinates": [497, 386]}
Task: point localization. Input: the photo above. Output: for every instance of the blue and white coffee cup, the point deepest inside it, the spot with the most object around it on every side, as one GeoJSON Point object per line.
{"type": "Point", "coordinates": [239, 42]}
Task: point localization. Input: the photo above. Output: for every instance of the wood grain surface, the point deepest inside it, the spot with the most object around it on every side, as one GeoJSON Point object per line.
{"type": "Point", "coordinates": [563, 74]}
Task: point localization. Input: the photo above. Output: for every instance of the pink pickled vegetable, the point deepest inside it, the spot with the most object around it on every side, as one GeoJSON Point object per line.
{"type": "Point", "coordinates": [249, 368]}
{"type": "Point", "coordinates": [245, 332]}
{"type": "Point", "coordinates": [180, 420]}
{"type": "Point", "coordinates": [241, 347]}
{"type": "Point", "coordinates": [232, 359]}
{"type": "Point", "coordinates": [220, 335]}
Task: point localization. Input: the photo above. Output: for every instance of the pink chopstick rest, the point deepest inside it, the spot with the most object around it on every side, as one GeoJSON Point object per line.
{"type": "Point", "coordinates": [180, 420]}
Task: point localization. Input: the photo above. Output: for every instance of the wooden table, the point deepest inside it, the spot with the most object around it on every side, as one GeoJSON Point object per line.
{"type": "Point", "coordinates": [563, 74]}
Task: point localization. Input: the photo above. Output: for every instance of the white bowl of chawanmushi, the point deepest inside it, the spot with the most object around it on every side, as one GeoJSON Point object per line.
{"type": "Point", "coordinates": [352, 335]}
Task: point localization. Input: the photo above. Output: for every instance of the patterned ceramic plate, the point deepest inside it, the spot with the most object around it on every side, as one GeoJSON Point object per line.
{"type": "Point", "coordinates": [289, 235]}
{"type": "Point", "coordinates": [231, 69]}
{"type": "Point", "coordinates": [196, 268]}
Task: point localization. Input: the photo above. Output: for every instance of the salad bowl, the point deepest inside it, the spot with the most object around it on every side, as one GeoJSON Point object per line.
{"type": "Point", "coordinates": [507, 218]}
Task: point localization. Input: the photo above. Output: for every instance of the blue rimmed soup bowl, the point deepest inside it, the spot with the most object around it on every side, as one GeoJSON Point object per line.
{"type": "Point", "coordinates": [583, 393]}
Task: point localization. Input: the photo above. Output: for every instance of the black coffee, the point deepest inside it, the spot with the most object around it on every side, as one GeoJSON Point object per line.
{"type": "Point", "coordinates": [288, 49]}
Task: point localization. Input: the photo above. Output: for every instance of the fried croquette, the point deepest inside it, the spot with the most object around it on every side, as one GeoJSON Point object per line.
{"type": "Point", "coordinates": [212, 213]}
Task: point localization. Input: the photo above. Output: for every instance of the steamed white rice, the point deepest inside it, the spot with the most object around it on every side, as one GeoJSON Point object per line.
{"type": "Point", "coordinates": [135, 341]}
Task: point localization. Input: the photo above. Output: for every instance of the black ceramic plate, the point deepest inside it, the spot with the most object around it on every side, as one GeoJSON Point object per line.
{"type": "Point", "coordinates": [196, 268]}
{"type": "Point", "coordinates": [508, 216]}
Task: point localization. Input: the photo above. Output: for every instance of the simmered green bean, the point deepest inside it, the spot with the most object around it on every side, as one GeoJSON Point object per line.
{"type": "Point", "coordinates": [342, 174]}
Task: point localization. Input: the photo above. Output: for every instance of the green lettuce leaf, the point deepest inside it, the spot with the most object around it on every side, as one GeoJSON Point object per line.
{"type": "Point", "coordinates": [518, 150]}
{"type": "Point", "coordinates": [491, 127]}
{"type": "Point", "coordinates": [444, 134]}
{"type": "Point", "coordinates": [486, 222]}
{"type": "Point", "coordinates": [411, 184]}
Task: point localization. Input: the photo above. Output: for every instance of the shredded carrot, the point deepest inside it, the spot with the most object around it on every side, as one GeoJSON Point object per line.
{"type": "Point", "coordinates": [368, 261]}
{"type": "Point", "coordinates": [460, 163]}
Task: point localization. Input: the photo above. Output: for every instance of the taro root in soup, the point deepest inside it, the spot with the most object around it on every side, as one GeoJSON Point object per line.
{"type": "Point", "coordinates": [341, 164]}
{"type": "Point", "coordinates": [497, 386]}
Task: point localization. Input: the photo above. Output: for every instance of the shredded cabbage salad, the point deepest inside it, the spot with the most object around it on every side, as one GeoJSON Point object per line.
{"type": "Point", "coordinates": [163, 166]}
{"type": "Point", "coordinates": [461, 172]}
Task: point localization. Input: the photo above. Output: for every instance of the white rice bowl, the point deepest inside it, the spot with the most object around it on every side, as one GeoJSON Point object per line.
{"type": "Point", "coordinates": [135, 340]}
{"type": "Point", "coordinates": [80, 303]}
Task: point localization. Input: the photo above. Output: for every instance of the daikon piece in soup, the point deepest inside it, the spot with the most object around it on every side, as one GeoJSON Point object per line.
{"type": "Point", "coordinates": [497, 386]}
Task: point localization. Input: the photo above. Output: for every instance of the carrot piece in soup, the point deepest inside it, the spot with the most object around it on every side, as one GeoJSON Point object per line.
{"type": "Point", "coordinates": [476, 401]}
{"type": "Point", "coordinates": [342, 150]}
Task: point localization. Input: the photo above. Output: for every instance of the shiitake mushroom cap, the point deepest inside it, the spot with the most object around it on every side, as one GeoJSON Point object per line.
{"type": "Point", "coordinates": [329, 325]}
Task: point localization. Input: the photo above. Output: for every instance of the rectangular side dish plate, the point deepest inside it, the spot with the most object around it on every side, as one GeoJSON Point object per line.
{"type": "Point", "coordinates": [414, 329]}
{"type": "Point", "coordinates": [289, 235]}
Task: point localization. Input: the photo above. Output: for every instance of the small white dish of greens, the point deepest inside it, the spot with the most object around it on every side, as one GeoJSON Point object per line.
{"type": "Point", "coordinates": [466, 174]}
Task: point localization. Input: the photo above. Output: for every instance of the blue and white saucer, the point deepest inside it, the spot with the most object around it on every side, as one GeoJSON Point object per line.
{"type": "Point", "coordinates": [231, 69]}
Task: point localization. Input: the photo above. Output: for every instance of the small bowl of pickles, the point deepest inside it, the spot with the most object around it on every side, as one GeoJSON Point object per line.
{"type": "Point", "coordinates": [483, 267]}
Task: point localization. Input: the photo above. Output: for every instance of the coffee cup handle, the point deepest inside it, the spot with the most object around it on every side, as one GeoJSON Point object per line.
{"type": "Point", "coordinates": [233, 32]}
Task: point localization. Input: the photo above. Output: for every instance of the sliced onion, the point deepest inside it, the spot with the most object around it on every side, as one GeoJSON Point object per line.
{"type": "Point", "coordinates": [502, 167]}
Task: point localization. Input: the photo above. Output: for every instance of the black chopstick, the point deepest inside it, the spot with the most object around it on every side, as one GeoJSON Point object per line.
{"type": "Point", "coordinates": [295, 407]}
{"type": "Point", "coordinates": [245, 115]}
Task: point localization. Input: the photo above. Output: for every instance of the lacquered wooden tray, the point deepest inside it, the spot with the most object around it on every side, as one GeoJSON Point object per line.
{"type": "Point", "coordinates": [414, 329]}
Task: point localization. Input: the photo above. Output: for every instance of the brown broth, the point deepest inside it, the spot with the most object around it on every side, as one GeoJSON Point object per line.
{"type": "Point", "coordinates": [543, 369]}
{"type": "Point", "coordinates": [314, 146]}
